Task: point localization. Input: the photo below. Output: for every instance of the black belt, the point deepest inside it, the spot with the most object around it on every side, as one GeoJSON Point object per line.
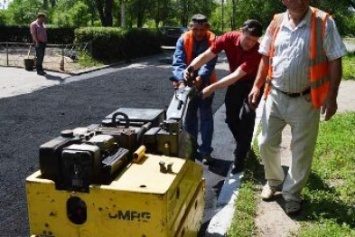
{"type": "Point", "coordinates": [295, 95]}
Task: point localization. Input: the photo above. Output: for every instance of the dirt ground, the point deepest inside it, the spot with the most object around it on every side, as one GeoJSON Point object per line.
{"type": "Point", "coordinates": [53, 60]}
{"type": "Point", "coordinates": [271, 220]}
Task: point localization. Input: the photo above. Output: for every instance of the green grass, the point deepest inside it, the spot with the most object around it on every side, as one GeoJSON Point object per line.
{"type": "Point", "coordinates": [248, 197]}
{"type": "Point", "coordinates": [349, 66]}
{"type": "Point", "coordinates": [329, 205]}
{"type": "Point", "coordinates": [85, 60]}
{"type": "Point", "coordinates": [330, 192]}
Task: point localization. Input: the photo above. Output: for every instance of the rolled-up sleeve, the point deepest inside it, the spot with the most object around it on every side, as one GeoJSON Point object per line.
{"type": "Point", "coordinates": [333, 44]}
{"type": "Point", "coordinates": [207, 69]}
{"type": "Point", "coordinates": [265, 43]}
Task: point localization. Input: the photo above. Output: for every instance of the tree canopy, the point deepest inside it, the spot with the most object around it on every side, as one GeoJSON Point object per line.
{"type": "Point", "coordinates": [223, 14]}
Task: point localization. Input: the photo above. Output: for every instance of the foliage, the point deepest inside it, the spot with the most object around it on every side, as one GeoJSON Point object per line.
{"type": "Point", "coordinates": [63, 35]}
{"type": "Point", "coordinates": [71, 13]}
{"type": "Point", "coordinates": [330, 191]}
{"type": "Point", "coordinates": [3, 17]}
{"type": "Point", "coordinates": [22, 12]}
{"type": "Point", "coordinates": [259, 10]}
{"type": "Point", "coordinates": [142, 42]}
{"type": "Point", "coordinates": [138, 13]}
{"type": "Point", "coordinates": [349, 66]}
{"type": "Point", "coordinates": [112, 44]}
{"type": "Point", "coordinates": [243, 221]}
{"type": "Point", "coordinates": [107, 43]}
{"type": "Point", "coordinates": [104, 8]}
{"type": "Point", "coordinates": [85, 60]}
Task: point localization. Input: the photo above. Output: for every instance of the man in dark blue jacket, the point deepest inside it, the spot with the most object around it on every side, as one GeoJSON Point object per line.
{"type": "Point", "coordinates": [189, 46]}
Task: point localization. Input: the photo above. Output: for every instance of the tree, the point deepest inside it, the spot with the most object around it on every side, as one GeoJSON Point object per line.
{"type": "Point", "coordinates": [71, 13]}
{"type": "Point", "coordinates": [22, 12]}
{"type": "Point", "coordinates": [264, 11]}
{"type": "Point", "coordinates": [104, 7]}
{"type": "Point", "coordinates": [161, 12]}
{"type": "Point", "coordinates": [3, 17]}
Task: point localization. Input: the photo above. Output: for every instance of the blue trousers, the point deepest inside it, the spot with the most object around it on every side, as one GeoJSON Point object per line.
{"type": "Point", "coordinates": [199, 117]}
{"type": "Point", "coordinates": [40, 51]}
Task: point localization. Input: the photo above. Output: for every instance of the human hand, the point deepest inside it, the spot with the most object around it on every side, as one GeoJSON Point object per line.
{"type": "Point", "coordinates": [178, 84]}
{"type": "Point", "coordinates": [198, 82]}
{"type": "Point", "coordinates": [189, 73]}
{"type": "Point", "coordinates": [329, 108]}
{"type": "Point", "coordinates": [253, 97]}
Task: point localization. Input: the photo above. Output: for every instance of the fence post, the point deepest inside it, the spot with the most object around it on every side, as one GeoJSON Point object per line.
{"type": "Point", "coordinates": [7, 54]}
{"type": "Point", "coordinates": [61, 66]}
{"type": "Point", "coordinates": [90, 50]}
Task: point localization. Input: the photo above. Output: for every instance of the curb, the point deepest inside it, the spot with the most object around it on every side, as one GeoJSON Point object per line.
{"type": "Point", "coordinates": [224, 210]}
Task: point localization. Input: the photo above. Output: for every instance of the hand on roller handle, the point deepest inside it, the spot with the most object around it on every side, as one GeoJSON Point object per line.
{"type": "Point", "coordinates": [193, 81]}
{"type": "Point", "coordinates": [189, 76]}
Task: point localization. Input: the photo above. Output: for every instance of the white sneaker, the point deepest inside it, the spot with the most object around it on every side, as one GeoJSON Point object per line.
{"type": "Point", "coordinates": [268, 192]}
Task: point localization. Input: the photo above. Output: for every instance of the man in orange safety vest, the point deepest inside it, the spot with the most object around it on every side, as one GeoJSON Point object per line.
{"type": "Point", "coordinates": [301, 70]}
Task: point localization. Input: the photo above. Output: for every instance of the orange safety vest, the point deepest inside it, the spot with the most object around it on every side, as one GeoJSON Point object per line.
{"type": "Point", "coordinates": [319, 65]}
{"type": "Point", "coordinates": [189, 47]}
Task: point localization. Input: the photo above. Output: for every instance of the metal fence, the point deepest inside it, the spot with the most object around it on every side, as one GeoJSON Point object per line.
{"type": "Point", "coordinates": [58, 57]}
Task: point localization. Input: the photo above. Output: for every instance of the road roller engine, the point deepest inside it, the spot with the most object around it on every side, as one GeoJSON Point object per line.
{"type": "Point", "coordinates": [131, 174]}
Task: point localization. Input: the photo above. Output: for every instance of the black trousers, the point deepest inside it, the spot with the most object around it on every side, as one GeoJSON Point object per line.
{"type": "Point", "coordinates": [240, 117]}
{"type": "Point", "coordinates": [40, 51]}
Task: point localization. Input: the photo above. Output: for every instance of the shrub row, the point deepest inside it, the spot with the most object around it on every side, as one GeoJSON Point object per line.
{"type": "Point", "coordinates": [109, 44]}
{"type": "Point", "coordinates": [64, 35]}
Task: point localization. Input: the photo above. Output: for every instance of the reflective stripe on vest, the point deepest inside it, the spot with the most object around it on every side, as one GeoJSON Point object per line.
{"type": "Point", "coordinates": [189, 47]}
{"type": "Point", "coordinates": [319, 66]}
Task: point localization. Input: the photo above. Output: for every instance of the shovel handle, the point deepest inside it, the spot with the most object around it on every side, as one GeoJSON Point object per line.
{"type": "Point", "coordinates": [29, 51]}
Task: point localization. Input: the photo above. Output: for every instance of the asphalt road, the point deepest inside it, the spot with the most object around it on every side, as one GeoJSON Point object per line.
{"type": "Point", "coordinates": [29, 120]}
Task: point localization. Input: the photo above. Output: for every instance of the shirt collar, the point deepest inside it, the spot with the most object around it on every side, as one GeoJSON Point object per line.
{"type": "Point", "coordinates": [239, 33]}
{"type": "Point", "coordinates": [306, 21]}
{"type": "Point", "coordinates": [38, 23]}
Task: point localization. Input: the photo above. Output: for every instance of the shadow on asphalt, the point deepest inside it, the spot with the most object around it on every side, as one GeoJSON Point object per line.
{"type": "Point", "coordinates": [220, 167]}
{"type": "Point", "coordinates": [48, 76]}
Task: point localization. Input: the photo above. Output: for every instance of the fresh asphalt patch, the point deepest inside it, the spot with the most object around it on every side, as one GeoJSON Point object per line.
{"type": "Point", "coordinates": [29, 120]}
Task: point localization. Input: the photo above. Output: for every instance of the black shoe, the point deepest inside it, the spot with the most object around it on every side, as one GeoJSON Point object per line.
{"type": "Point", "coordinates": [207, 159]}
{"type": "Point", "coordinates": [41, 73]}
{"type": "Point", "coordinates": [238, 166]}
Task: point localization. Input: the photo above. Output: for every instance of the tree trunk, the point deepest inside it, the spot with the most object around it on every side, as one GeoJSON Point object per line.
{"type": "Point", "coordinates": [123, 20]}
{"type": "Point", "coordinates": [45, 4]}
{"type": "Point", "coordinates": [104, 7]}
{"type": "Point", "coordinates": [140, 13]}
{"type": "Point", "coordinates": [185, 12]}
{"type": "Point", "coordinates": [234, 6]}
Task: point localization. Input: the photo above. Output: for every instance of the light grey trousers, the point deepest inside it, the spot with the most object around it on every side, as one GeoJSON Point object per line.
{"type": "Point", "coordinates": [280, 110]}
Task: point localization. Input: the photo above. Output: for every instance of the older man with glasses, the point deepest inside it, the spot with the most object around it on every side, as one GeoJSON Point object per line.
{"type": "Point", "coordinates": [189, 46]}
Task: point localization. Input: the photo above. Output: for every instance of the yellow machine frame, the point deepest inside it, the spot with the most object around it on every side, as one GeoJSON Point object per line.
{"type": "Point", "coordinates": [159, 196]}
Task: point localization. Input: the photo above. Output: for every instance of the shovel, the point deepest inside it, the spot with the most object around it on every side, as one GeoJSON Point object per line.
{"type": "Point", "coordinates": [29, 63]}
